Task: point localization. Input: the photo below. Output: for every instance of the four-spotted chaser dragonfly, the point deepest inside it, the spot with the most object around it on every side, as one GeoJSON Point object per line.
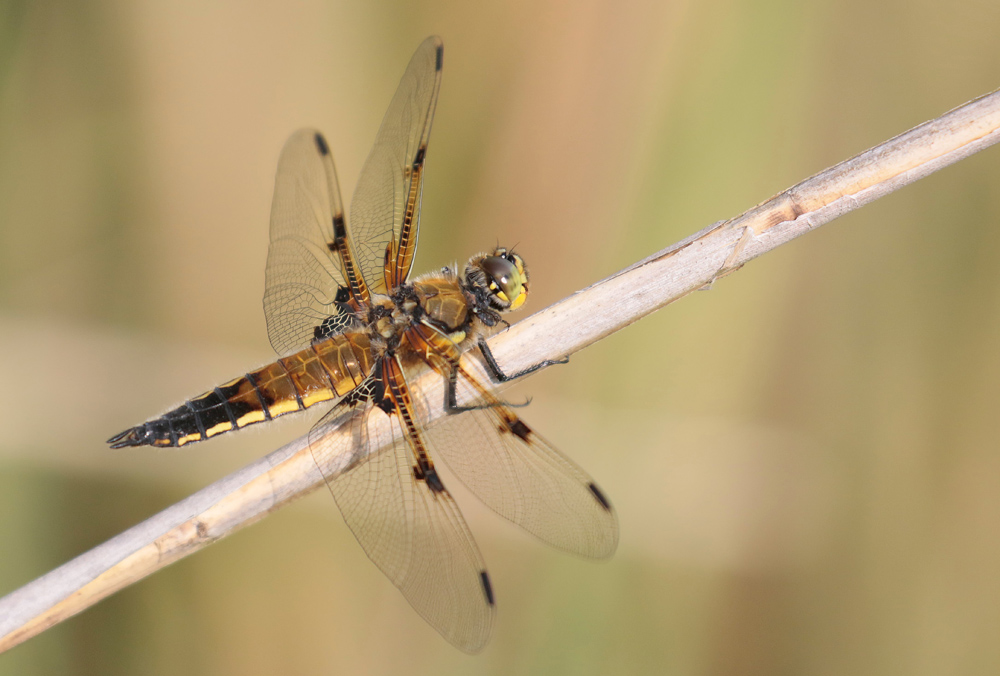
{"type": "Point", "coordinates": [339, 303]}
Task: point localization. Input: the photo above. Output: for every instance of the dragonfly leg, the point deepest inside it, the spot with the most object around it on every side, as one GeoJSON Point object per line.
{"type": "Point", "coordinates": [451, 398]}
{"type": "Point", "coordinates": [502, 377]}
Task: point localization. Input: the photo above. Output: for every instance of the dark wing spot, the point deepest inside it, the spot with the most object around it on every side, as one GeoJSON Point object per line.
{"type": "Point", "coordinates": [339, 227]}
{"type": "Point", "coordinates": [343, 295]}
{"type": "Point", "coordinates": [388, 253]}
{"type": "Point", "coordinates": [439, 58]}
{"type": "Point", "coordinates": [419, 159]}
{"type": "Point", "coordinates": [433, 480]}
{"type": "Point", "coordinates": [599, 495]}
{"type": "Point", "coordinates": [321, 145]}
{"type": "Point", "coordinates": [520, 429]}
{"type": "Point", "coordinates": [484, 579]}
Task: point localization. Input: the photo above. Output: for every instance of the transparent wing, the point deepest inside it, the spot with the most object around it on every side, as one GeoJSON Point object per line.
{"type": "Point", "coordinates": [311, 277]}
{"type": "Point", "coordinates": [416, 536]}
{"type": "Point", "coordinates": [385, 212]}
{"type": "Point", "coordinates": [520, 476]}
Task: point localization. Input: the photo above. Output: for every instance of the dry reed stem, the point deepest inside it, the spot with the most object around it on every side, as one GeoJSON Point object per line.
{"type": "Point", "coordinates": [561, 329]}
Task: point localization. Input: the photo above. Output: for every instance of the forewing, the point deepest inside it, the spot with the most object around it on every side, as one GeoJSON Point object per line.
{"type": "Point", "coordinates": [310, 274]}
{"type": "Point", "coordinates": [385, 211]}
{"type": "Point", "coordinates": [522, 477]}
{"type": "Point", "coordinates": [417, 537]}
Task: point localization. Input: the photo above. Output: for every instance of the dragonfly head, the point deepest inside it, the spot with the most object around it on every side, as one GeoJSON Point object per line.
{"type": "Point", "coordinates": [502, 275]}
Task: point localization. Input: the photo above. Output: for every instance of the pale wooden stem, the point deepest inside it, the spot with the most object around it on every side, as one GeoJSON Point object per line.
{"type": "Point", "coordinates": [562, 329]}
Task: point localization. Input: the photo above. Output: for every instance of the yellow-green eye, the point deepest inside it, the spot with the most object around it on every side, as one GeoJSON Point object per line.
{"type": "Point", "coordinates": [506, 280]}
{"type": "Point", "coordinates": [521, 297]}
{"type": "Point", "coordinates": [495, 290]}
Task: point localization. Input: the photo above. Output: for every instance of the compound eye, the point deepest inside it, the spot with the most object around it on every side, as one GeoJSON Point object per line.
{"type": "Point", "coordinates": [505, 280]}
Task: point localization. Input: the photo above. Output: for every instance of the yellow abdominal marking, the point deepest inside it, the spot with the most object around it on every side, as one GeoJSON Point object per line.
{"type": "Point", "coordinates": [247, 419]}
{"type": "Point", "coordinates": [220, 428]}
{"type": "Point", "coordinates": [283, 407]}
{"type": "Point", "coordinates": [316, 396]}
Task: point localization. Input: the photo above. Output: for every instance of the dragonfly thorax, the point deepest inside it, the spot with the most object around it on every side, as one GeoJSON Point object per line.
{"type": "Point", "coordinates": [438, 300]}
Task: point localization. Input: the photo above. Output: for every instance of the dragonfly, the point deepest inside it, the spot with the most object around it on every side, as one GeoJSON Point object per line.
{"type": "Point", "coordinates": [354, 331]}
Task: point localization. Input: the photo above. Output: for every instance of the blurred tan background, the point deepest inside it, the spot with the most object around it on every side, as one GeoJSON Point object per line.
{"type": "Point", "coordinates": [804, 460]}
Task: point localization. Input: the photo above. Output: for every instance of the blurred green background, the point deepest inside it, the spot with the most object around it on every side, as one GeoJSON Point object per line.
{"type": "Point", "coordinates": [804, 459]}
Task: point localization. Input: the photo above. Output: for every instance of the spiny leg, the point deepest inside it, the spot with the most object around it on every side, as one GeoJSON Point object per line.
{"type": "Point", "coordinates": [451, 397]}
{"type": "Point", "coordinates": [502, 377]}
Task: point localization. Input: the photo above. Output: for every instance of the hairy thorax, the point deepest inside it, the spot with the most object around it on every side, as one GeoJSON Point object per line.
{"type": "Point", "coordinates": [437, 300]}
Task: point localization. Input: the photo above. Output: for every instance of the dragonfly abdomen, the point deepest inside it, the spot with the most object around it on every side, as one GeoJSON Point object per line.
{"type": "Point", "coordinates": [328, 369]}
